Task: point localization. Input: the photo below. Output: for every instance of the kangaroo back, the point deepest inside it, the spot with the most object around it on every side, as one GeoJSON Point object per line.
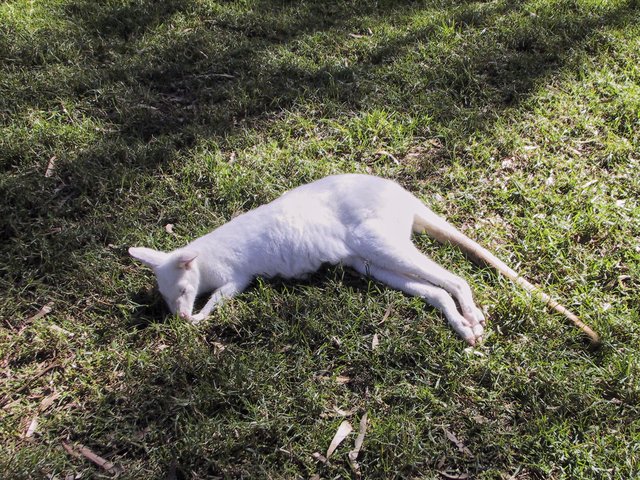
{"type": "Point", "coordinates": [425, 220]}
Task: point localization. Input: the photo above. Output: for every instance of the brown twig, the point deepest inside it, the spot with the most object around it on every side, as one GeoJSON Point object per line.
{"type": "Point", "coordinates": [80, 451]}
{"type": "Point", "coordinates": [6, 399]}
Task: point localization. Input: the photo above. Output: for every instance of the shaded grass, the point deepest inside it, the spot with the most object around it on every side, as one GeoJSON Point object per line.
{"type": "Point", "coordinates": [518, 120]}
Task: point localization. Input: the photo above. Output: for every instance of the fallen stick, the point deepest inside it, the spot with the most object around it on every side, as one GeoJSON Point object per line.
{"type": "Point", "coordinates": [81, 451]}
{"type": "Point", "coordinates": [27, 383]}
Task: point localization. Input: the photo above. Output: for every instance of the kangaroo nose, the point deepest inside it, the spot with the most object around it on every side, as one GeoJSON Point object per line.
{"type": "Point", "coordinates": [184, 315]}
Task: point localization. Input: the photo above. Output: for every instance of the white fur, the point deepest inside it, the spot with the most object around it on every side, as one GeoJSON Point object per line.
{"type": "Point", "coordinates": [360, 221]}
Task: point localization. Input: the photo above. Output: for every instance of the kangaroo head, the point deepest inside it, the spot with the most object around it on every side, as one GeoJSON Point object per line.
{"type": "Point", "coordinates": [177, 276]}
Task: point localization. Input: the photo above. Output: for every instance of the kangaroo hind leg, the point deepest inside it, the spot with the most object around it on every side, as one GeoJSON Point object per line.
{"type": "Point", "coordinates": [390, 251]}
{"type": "Point", "coordinates": [469, 329]}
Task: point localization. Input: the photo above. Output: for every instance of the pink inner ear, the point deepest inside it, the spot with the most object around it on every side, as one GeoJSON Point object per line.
{"type": "Point", "coordinates": [186, 260]}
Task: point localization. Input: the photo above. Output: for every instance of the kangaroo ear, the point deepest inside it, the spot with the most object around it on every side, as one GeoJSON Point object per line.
{"type": "Point", "coordinates": [150, 257]}
{"type": "Point", "coordinates": [186, 259]}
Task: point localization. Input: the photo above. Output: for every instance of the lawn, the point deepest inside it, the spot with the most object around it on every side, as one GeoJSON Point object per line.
{"type": "Point", "coordinates": [149, 123]}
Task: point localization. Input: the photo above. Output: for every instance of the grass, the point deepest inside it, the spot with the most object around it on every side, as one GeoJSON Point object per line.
{"type": "Point", "coordinates": [519, 121]}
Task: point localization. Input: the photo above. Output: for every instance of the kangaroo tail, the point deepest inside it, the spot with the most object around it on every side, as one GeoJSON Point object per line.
{"type": "Point", "coordinates": [427, 221]}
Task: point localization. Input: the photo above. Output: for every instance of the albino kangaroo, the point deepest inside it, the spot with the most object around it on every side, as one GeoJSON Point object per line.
{"type": "Point", "coordinates": [361, 221]}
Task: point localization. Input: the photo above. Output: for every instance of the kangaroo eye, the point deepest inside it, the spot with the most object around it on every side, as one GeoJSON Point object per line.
{"type": "Point", "coordinates": [183, 292]}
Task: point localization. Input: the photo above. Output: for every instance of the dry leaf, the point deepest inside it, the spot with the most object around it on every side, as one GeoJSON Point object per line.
{"type": "Point", "coordinates": [31, 429]}
{"type": "Point", "coordinates": [61, 330]}
{"type": "Point", "coordinates": [50, 167]}
{"type": "Point", "coordinates": [48, 401]}
{"type": "Point", "coordinates": [353, 454]}
{"type": "Point", "coordinates": [45, 310]}
{"type": "Point", "coordinates": [342, 380]}
{"type": "Point", "coordinates": [450, 476]}
{"type": "Point", "coordinates": [480, 419]}
{"type": "Point", "coordinates": [344, 429]}
{"type": "Point", "coordinates": [168, 228]}
{"type": "Point", "coordinates": [507, 163]}
{"type": "Point", "coordinates": [319, 457]}
{"type": "Point", "coordinates": [344, 413]}
{"type": "Point", "coordinates": [360, 438]}
{"type": "Point", "coordinates": [473, 351]}
{"type": "Point", "coordinates": [458, 443]}
{"type": "Point", "coordinates": [385, 316]}
{"type": "Point", "coordinates": [575, 151]}
{"type": "Point", "coordinates": [10, 405]}
{"type": "Point", "coordinates": [375, 341]}
{"type": "Point", "coordinates": [338, 412]}
{"type": "Point", "coordinates": [385, 153]}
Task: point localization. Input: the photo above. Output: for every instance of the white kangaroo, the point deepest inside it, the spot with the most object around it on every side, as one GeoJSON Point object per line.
{"type": "Point", "coordinates": [361, 221]}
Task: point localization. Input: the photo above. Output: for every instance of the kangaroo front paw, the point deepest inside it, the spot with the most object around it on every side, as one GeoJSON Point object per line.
{"type": "Point", "coordinates": [196, 319]}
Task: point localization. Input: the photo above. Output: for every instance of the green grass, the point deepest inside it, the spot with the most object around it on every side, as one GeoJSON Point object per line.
{"type": "Point", "coordinates": [519, 121]}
